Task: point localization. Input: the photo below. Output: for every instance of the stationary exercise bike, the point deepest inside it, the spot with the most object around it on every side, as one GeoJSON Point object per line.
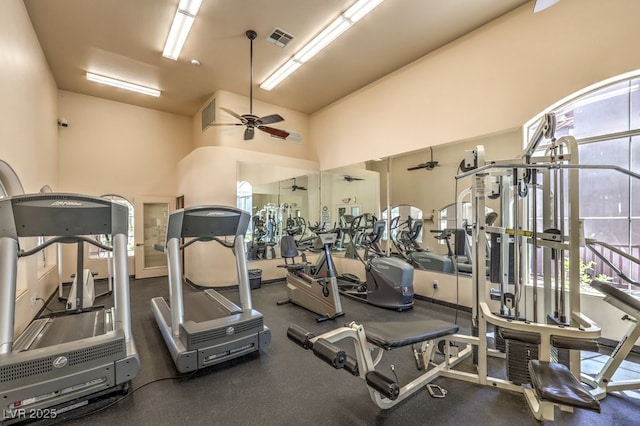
{"type": "Point", "coordinates": [319, 292]}
{"type": "Point", "coordinates": [82, 294]}
{"type": "Point", "coordinates": [389, 282]}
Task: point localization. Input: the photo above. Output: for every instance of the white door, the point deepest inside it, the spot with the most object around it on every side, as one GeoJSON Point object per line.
{"type": "Point", "coordinates": [151, 215]}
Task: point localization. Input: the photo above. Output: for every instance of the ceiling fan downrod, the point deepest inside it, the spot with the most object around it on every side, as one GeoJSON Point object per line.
{"type": "Point", "coordinates": [251, 35]}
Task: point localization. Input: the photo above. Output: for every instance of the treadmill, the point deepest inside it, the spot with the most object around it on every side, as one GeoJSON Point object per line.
{"type": "Point", "coordinates": [62, 361]}
{"type": "Point", "coordinates": [204, 328]}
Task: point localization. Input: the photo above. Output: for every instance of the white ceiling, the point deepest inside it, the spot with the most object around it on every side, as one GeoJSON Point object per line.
{"type": "Point", "coordinates": [124, 39]}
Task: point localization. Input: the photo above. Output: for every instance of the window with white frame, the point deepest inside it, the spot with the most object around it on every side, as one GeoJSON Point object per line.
{"type": "Point", "coordinates": [244, 202]}
{"type": "Point", "coordinates": [401, 217]}
{"type": "Point", "coordinates": [45, 256]}
{"type": "Point", "coordinates": [96, 252]}
{"type": "Point", "coordinates": [605, 120]}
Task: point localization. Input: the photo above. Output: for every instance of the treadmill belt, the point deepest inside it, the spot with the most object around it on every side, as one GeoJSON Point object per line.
{"type": "Point", "coordinates": [199, 307]}
{"type": "Point", "coordinates": [68, 328]}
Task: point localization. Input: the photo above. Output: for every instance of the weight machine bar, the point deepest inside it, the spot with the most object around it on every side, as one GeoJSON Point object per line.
{"type": "Point", "coordinates": [548, 167]}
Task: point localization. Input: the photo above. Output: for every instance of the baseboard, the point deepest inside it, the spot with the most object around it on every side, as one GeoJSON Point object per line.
{"type": "Point", "coordinates": [442, 303]}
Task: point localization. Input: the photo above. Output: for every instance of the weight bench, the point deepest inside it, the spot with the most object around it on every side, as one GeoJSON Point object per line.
{"type": "Point", "coordinates": [602, 383]}
{"type": "Point", "coordinates": [378, 338]}
{"type": "Point", "coordinates": [554, 384]}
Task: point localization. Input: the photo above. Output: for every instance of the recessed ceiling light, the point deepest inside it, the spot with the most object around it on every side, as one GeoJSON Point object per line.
{"type": "Point", "coordinates": [195, 62]}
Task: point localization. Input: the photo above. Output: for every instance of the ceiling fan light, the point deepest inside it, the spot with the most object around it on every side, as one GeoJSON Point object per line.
{"type": "Point", "coordinates": [123, 84]}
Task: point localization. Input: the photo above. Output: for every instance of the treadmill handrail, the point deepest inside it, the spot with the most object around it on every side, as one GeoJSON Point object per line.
{"type": "Point", "coordinates": [63, 240]}
{"type": "Point", "coordinates": [204, 240]}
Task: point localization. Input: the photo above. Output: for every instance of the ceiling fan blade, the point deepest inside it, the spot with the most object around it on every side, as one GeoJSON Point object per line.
{"type": "Point", "coordinates": [226, 124]}
{"type": "Point", "coordinates": [248, 133]}
{"type": "Point", "coordinates": [278, 133]}
{"type": "Point", "coordinates": [236, 115]}
{"type": "Point", "coordinates": [269, 119]}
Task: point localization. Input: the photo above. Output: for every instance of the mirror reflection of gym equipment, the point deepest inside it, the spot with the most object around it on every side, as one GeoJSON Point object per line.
{"type": "Point", "coordinates": [389, 280]}
{"type": "Point", "coordinates": [541, 336]}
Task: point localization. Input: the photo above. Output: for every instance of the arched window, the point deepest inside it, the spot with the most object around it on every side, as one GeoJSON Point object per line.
{"type": "Point", "coordinates": [244, 202]}
{"type": "Point", "coordinates": [400, 216]}
{"type": "Point", "coordinates": [44, 256]}
{"type": "Point", "coordinates": [10, 184]}
{"type": "Point", "coordinates": [605, 120]}
{"type": "Point", "coordinates": [95, 252]}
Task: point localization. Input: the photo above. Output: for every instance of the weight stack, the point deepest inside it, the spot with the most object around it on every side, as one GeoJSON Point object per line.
{"type": "Point", "coordinates": [518, 356]}
{"type": "Point", "coordinates": [474, 332]}
{"type": "Point", "coordinates": [500, 344]}
{"type": "Point", "coordinates": [560, 356]}
{"type": "Point", "coordinates": [522, 347]}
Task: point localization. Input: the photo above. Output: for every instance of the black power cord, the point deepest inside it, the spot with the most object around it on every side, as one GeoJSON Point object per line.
{"type": "Point", "coordinates": [111, 404]}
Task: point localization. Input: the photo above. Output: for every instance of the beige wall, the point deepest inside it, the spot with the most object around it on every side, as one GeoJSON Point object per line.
{"type": "Point", "coordinates": [490, 81]}
{"type": "Point", "coordinates": [28, 133]}
{"type": "Point", "coordinates": [115, 148]}
{"type": "Point", "coordinates": [339, 193]}
{"type": "Point", "coordinates": [232, 136]}
{"type": "Point", "coordinates": [208, 175]}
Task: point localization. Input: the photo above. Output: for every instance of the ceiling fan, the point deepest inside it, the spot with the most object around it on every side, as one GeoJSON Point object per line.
{"type": "Point", "coordinates": [296, 187]}
{"type": "Point", "coordinates": [348, 178]}
{"type": "Point", "coordinates": [429, 165]}
{"type": "Point", "coordinates": [250, 121]}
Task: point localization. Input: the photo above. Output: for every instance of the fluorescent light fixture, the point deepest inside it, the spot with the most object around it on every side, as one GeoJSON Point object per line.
{"type": "Point", "coordinates": [123, 84]}
{"type": "Point", "coordinates": [322, 40]}
{"type": "Point", "coordinates": [180, 27]}
{"type": "Point", "coordinates": [282, 73]}
{"type": "Point", "coordinates": [358, 10]}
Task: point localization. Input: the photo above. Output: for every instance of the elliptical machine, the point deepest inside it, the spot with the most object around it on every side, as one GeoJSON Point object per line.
{"type": "Point", "coordinates": [404, 240]}
{"type": "Point", "coordinates": [389, 282]}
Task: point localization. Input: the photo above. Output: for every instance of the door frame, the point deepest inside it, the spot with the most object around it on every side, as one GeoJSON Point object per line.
{"type": "Point", "coordinates": [139, 202]}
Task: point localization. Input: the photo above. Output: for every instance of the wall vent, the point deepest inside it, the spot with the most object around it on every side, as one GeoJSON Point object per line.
{"type": "Point", "coordinates": [209, 115]}
{"type": "Point", "coordinates": [279, 37]}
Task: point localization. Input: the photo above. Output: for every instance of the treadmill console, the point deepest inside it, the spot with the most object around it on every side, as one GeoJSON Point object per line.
{"type": "Point", "coordinates": [207, 221]}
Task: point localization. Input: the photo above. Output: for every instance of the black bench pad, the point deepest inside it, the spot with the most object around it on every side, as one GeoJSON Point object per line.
{"type": "Point", "coordinates": [563, 342]}
{"type": "Point", "coordinates": [521, 336]}
{"type": "Point", "coordinates": [554, 382]}
{"type": "Point", "coordinates": [389, 335]}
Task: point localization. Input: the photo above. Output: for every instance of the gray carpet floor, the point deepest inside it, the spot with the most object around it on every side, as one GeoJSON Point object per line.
{"type": "Point", "coordinates": [285, 385]}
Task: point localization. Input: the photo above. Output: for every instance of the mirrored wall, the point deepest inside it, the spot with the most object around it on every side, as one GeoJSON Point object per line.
{"type": "Point", "coordinates": [419, 187]}
{"type": "Point", "coordinates": [282, 201]}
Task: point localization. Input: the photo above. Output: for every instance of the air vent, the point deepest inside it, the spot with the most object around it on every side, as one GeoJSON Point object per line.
{"type": "Point", "coordinates": [279, 37]}
{"type": "Point", "coordinates": [209, 115]}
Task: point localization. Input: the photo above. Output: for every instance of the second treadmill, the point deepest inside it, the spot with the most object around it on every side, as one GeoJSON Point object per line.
{"type": "Point", "coordinates": [204, 328]}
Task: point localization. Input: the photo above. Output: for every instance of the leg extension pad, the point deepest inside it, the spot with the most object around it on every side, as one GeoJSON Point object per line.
{"type": "Point", "coordinates": [387, 387]}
